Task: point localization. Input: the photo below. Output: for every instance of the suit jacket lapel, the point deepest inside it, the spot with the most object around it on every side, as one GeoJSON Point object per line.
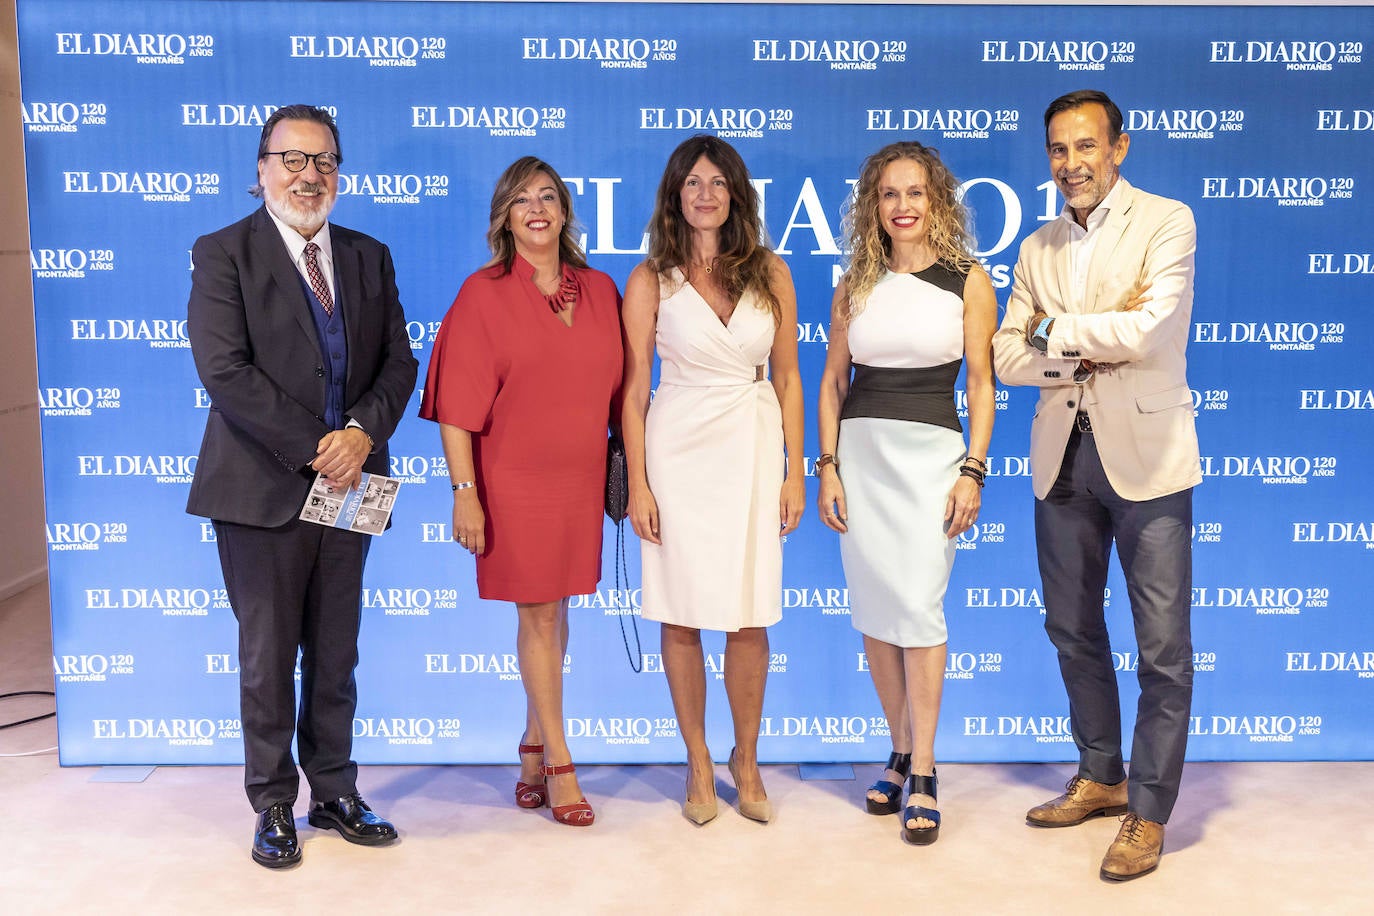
{"type": "Point", "coordinates": [1062, 266]}
{"type": "Point", "coordinates": [1104, 253]}
{"type": "Point", "coordinates": [267, 241]}
{"type": "Point", "coordinates": [347, 274]}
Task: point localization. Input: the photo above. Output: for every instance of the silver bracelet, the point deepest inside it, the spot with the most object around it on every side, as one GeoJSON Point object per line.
{"type": "Point", "coordinates": [464, 485]}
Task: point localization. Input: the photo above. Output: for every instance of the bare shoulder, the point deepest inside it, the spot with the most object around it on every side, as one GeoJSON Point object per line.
{"type": "Point", "coordinates": [977, 282]}
{"type": "Point", "coordinates": [642, 290]}
{"type": "Point", "coordinates": [841, 294]}
{"type": "Point", "coordinates": [780, 279]}
{"type": "Point", "coordinates": [643, 279]}
{"type": "Point", "coordinates": [777, 268]}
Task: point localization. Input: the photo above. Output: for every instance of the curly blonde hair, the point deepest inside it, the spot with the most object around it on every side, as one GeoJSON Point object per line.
{"type": "Point", "coordinates": [745, 261]}
{"type": "Point", "coordinates": [869, 245]}
{"type": "Point", "coordinates": [508, 188]}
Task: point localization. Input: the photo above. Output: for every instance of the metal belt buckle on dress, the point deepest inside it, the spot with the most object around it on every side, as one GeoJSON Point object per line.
{"type": "Point", "coordinates": [1084, 424]}
{"type": "Point", "coordinates": [758, 373]}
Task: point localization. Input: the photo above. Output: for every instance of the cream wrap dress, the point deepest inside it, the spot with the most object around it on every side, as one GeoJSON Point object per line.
{"type": "Point", "coordinates": [715, 462]}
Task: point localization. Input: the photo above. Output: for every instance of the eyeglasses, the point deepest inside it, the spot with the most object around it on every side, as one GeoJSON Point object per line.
{"type": "Point", "coordinates": [295, 160]}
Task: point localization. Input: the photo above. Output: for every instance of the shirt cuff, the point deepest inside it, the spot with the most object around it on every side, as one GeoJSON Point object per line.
{"type": "Point", "coordinates": [354, 424]}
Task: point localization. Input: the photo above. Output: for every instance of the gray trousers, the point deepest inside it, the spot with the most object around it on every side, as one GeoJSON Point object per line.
{"type": "Point", "coordinates": [1075, 525]}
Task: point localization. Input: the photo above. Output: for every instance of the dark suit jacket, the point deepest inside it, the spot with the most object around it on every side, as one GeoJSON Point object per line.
{"type": "Point", "coordinates": [255, 348]}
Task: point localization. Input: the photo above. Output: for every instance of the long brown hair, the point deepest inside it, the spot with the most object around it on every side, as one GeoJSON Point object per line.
{"type": "Point", "coordinates": [868, 243]}
{"type": "Point", "coordinates": [508, 188]}
{"type": "Point", "coordinates": [744, 262]}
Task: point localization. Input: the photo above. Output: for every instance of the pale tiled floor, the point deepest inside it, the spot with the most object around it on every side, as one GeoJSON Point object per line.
{"type": "Point", "coordinates": [1251, 838]}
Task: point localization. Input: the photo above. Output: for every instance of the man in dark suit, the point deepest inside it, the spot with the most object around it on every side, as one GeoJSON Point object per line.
{"type": "Point", "coordinates": [299, 338]}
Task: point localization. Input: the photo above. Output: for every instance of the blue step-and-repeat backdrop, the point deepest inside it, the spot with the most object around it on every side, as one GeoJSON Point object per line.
{"type": "Point", "coordinates": [141, 121]}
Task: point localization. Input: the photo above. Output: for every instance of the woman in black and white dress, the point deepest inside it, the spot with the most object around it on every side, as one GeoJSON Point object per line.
{"type": "Point", "coordinates": [896, 477]}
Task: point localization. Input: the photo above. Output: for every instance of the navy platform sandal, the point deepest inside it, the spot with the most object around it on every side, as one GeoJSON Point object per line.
{"type": "Point", "coordinates": [920, 836]}
{"type": "Point", "coordinates": [900, 763]}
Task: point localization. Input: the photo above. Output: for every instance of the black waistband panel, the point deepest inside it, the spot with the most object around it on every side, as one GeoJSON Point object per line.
{"type": "Point", "coordinates": [919, 395]}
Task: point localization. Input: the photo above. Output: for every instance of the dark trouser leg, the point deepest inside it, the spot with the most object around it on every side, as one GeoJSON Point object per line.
{"type": "Point", "coordinates": [329, 655]}
{"type": "Point", "coordinates": [1073, 537]}
{"type": "Point", "coordinates": [265, 575]}
{"type": "Point", "coordinates": [1154, 541]}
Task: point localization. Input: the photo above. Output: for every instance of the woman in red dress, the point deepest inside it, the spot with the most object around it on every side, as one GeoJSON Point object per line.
{"type": "Point", "coordinates": [524, 370]}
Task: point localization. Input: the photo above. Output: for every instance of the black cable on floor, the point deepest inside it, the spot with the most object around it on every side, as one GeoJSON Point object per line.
{"type": "Point", "coordinates": [28, 693]}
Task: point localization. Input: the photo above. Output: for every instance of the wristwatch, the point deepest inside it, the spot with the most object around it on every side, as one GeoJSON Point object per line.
{"type": "Point", "coordinates": [1040, 337]}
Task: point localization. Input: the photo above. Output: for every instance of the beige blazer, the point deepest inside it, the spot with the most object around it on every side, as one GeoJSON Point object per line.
{"type": "Point", "coordinates": [1139, 401]}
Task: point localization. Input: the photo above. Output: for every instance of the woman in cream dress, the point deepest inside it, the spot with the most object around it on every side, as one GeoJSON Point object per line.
{"type": "Point", "coordinates": [715, 464]}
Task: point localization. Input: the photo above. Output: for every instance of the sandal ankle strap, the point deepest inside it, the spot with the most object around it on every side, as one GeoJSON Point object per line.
{"type": "Point", "coordinates": [560, 769]}
{"type": "Point", "coordinates": [916, 784]}
{"type": "Point", "coordinates": [899, 763]}
{"type": "Point", "coordinates": [531, 748]}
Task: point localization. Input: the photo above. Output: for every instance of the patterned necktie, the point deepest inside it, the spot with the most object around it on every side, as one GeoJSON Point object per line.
{"type": "Point", "coordinates": [321, 288]}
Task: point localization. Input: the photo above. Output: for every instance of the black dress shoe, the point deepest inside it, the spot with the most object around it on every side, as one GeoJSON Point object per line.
{"type": "Point", "coordinates": [354, 820]}
{"type": "Point", "coordinates": [275, 844]}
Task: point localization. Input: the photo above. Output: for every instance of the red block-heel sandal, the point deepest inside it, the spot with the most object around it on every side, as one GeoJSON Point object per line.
{"type": "Point", "coordinates": [531, 795]}
{"type": "Point", "coordinates": [579, 813]}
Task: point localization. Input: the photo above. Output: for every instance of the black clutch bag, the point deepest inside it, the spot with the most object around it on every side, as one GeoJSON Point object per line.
{"type": "Point", "coordinates": [617, 480]}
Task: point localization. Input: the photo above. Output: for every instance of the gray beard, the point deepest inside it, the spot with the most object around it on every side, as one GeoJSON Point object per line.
{"type": "Point", "coordinates": [285, 208]}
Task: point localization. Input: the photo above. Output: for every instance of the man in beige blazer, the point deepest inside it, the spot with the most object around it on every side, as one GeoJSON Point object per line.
{"type": "Point", "coordinates": [1099, 321]}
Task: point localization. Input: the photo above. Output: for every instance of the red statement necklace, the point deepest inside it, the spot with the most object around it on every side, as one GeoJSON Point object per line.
{"type": "Point", "coordinates": [563, 298]}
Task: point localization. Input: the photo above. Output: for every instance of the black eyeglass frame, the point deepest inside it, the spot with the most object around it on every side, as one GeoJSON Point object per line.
{"type": "Point", "coordinates": [312, 157]}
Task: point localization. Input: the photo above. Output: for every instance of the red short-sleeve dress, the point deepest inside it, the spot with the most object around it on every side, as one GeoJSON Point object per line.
{"type": "Point", "coordinates": [536, 395]}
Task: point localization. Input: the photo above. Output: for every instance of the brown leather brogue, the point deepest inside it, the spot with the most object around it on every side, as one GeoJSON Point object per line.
{"type": "Point", "coordinates": [1081, 800]}
{"type": "Point", "coordinates": [1135, 851]}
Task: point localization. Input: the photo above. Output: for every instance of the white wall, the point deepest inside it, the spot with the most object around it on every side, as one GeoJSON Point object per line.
{"type": "Point", "coordinates": [23, 544]}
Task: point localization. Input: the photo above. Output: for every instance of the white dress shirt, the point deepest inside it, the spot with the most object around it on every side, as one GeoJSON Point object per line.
{"type": "Point", "coordinates": [1082, 242]}
{"type": "Point", "coordinates": [295, 244]}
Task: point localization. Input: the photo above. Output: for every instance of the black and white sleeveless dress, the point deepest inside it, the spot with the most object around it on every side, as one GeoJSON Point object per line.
{"type": "Point", "coordinates": [900, 448]}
